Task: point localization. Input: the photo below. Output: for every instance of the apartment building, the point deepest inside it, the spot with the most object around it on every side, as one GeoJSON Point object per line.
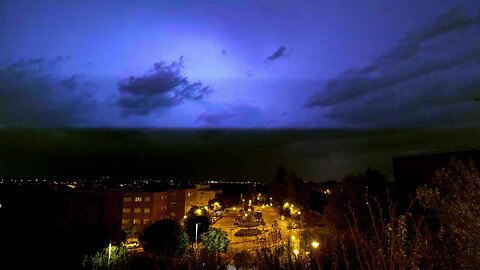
{"type": "Point", "coordinates": [203, 196]}
{"type": "Point", "coordinates": [180, 201]}
{"type": "Point", "coordinates": [142, 208]}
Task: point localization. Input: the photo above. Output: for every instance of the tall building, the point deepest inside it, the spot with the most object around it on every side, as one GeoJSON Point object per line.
{"type": "Point", "coordinates": [180, 201]}
{"type": "Point", "coordinates": [142, 208]}
{"type": "Point", "coordinates": [203, 194]}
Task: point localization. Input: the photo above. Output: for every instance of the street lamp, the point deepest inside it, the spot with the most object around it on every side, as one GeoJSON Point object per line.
{"type": "Point", "coordinates": [315, 244]}
{"type": "Point", "coordinates": [109, 253]}
{"type": "Point", "coordinates": [196, 233]}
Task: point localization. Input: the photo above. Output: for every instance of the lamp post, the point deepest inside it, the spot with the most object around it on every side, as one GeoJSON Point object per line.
{"type": "Point", "coordinates": [196, 233]}
{"type": "Point", "coordinates": [109, 253]}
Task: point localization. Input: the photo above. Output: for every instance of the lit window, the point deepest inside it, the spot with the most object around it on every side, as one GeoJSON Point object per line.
{"type": "Point", "coordinates": [188, 194]}
{"type": "Point", "coordinates": [147, 199]}
{"type": "Point", "coordinates": [138, 199]}
{"type": "Point", "coordinates": [138, 210]}
{"type": "Point", "coordinates": [127, 199]}
{"type": "Point", "coordinates": [172, 214]}
{"type": "Point", "coordinates": [146, 221]}
{"type": "Point", "coordinates": [136, 221]}
{"type": "Point", "coordinates": [173, 204]}
{"type": "Point", "coordinates": [127, 210]}
{"type": "Point", "coordinates": [125, 221]}
{"type": "Point", "coordinates": [146, 210]}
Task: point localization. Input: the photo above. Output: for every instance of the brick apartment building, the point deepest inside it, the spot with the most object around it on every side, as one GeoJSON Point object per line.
{"type": "Point", "coordinates": [142, 208]}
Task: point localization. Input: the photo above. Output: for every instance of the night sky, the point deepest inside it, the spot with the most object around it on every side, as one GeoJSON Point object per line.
{"type": "Point", "coordinates": [206, 89]}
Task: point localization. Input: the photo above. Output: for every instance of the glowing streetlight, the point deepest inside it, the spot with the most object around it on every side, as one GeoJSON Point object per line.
{"type": "Point", "coordinates": [299, 212]}
{"type": "Point", "coordinates": [196, 233]}
{"type": "Point", "coordinates": [184, 217]}
{"type": "Point", "coordinates": [109, 253]}
{"type": "Point", "coordinates": [295, 251]}
{"type": "Point", "coordinates": [315, 244]}
{"type": "Point", "coordinates": [293, 238]}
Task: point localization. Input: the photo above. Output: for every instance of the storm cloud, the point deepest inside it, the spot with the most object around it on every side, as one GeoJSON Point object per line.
{"type": "Point", "coordinates": [162, 87]}
{"type": "Point", "coordinates": [279, 53]}
{"type": "Point", "coordinates": [233, 115]}
{"type": "Point", "coordinates": [430, 78]}
{"type": "Point", "coordinates": [33, 94]}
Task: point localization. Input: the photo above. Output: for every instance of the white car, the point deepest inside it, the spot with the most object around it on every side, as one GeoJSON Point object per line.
{"type": "Point", "coordinates": [132, 244]}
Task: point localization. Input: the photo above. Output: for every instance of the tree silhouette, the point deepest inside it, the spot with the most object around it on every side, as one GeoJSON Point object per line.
{"type": "Point", "coordinates": [164, 238]}
{"type": "Point", "coordinates": [215, 241]}
{"type": "Point", "coordinates": [453, 200]}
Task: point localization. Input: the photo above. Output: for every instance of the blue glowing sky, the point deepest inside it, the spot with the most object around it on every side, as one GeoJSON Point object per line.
{"type": "Point", "coordinates": [240, 64]}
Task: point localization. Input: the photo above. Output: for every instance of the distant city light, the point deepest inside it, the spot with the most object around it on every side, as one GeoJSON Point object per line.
{"type": "Point", "coordinates": [315, 244]}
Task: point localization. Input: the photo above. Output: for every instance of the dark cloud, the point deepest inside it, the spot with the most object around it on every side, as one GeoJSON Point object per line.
{"type": "Point", "coordinates": [429, 78]}
{"type": "Point", "coordinates": [232, 116]}
{"type": "Point", "coordinates": [162, 87]}
{"type": "Point", "coordinates": [279, 53]}
{"type": "Point", "coordinates": [33, 94]}
{"type": "Point", "coordinates": [214, 118]}
{"type": "Point", "coordinates": [72, 82]}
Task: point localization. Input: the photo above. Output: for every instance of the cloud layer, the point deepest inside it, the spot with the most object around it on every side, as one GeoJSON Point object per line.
{"type": "Point", "coordinates": [33, 94]}
{"type": "Point", "coordinates": [430, 78]}
{"type": "Point", "coordinates": [162, 87]}
{"type": "Point", "coordinates": [279, 53]}
{"type": "Point", "coordinates": [239, 115]}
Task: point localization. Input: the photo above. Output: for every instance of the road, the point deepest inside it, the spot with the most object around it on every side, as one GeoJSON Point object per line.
{"type": "Point", "coordinates": [237, 244]}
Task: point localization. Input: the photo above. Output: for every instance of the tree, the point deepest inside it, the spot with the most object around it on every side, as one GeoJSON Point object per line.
{"type": "Point", "coordinates": [352, 192]}
{"type": "Point", "coordinates": [453, 199]}
{"type": "Point", "coordinates": [164, 238]}
{"type": "Point", "coordinates": [215, 241]}
{"type": "Point", "coordinates": [118, 257]}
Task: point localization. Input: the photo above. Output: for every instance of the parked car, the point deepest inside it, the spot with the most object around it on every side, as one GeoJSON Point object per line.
{"type": "Point", "coordinates": [131, 244]}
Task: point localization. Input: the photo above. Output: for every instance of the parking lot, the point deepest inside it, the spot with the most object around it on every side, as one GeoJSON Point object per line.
{"type": "Point", "coordinates": [226, 223]}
